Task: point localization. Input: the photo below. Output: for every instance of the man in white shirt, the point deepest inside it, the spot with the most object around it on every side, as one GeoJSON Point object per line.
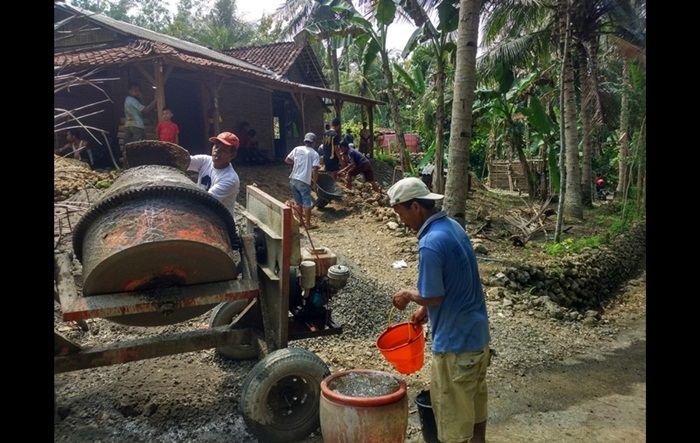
{"type": "Point", "coordinates": [216, 175]}
{"type": "Point", "coordinates": [305, 161]}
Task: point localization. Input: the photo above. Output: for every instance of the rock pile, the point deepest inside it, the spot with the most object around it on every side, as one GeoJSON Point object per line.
{"type": "Point", "coordinates": [578, 284]}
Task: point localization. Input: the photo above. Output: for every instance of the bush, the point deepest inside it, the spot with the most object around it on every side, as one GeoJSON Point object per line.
{"type": "Point", "coordinates": [573, 245]}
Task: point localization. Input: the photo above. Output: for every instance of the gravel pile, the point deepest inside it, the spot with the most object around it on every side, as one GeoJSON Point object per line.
{"type": "Point", "coordinates": [71, 176]}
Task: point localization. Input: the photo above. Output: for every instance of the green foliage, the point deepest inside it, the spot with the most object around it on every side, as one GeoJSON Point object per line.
{"type": "Point", "coordinates": [617, 223]}
{"type": "Point", "coordinates": [621, 222]}
{"type": "Point", "coordinates": [386, 157]}
{"type": "Point", "coordinates": [572, 245]}
{"type": "Point", "coordinates": [554, 175]}
{"type": "Point", "coordinates": [537, 116]}
{"type": "Point", "coordinates": [386, 10]}
{"type": "Point", "coordinates": [448, 13]}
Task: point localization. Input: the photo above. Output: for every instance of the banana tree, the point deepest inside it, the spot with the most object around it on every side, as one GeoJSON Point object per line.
{"type": "Point", "coordinates": [443, 47]}
{"type": "Point", "coordinates": [374, 40]}
{"type": "Point", "coordinates": [505, 106]}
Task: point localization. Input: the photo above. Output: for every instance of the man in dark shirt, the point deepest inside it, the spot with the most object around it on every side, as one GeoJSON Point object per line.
{"type": "Point", "coordinates": [331, 140]}
{"type": "Point", "coordinates": [357, 164]}
{"type": "Point", "coordinates": [349, 137]}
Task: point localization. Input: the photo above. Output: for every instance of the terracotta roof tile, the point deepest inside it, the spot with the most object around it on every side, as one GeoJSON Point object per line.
{"type": "Point", "coordinates": [277, 57]}
{"type": "Point", "coordinates": [139, 49]}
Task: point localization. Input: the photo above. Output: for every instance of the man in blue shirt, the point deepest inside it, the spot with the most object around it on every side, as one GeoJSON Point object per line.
{"type": "Point", "coordinates": [134, 128]}
{"type": "Point", "coordinates": [449, 294]}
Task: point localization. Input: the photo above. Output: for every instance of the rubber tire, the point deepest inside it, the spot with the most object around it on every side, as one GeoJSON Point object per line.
{"type": "Point", "coordinates": [222, 315]}
{"type": "Point", "coordinates": [260, 381]}
{"type": "Point", "coordinates": [322, 202]}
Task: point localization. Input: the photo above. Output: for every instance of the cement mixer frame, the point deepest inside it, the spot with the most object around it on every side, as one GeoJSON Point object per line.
{"type": "Point", "coordinates": [265, 284]}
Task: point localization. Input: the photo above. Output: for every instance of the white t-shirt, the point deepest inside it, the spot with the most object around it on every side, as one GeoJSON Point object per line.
{"type": "Point", "coordinates": [220, 183]}
{"type": "Point", "coordinates": [305, 159]}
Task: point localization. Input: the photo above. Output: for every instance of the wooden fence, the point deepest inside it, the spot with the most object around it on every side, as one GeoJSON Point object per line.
{"type": "Point", "coordinates": [505, 174]}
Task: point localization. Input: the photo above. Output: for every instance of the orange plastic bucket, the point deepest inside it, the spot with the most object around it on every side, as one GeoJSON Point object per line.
{"type": "Point", "coordinates": [403, 346]}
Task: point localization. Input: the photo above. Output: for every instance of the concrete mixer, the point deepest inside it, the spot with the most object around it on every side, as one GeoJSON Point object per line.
{"type": "Point", "coordinates": [157, 250]}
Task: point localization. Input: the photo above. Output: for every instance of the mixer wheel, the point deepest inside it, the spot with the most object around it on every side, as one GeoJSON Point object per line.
{"type": "Point", "coordinates": [222, 315]}
{"type": "Point", "coordinates": [281, 395]}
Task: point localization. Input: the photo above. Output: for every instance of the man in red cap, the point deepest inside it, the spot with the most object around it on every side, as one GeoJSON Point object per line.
{"type": "Point", "coordinates": [216, 175]}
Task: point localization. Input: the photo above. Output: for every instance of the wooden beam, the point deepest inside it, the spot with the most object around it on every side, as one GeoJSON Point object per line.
{"type": "Point", "coordinates": [303, 117]}
{"type": "Point", "coordinates": [145, 73]}
{"type": "Point", "coordinates": [160, 87]}
{"type": "Point", "coordinates": [168, 71]}
{"type": "Point", "coordinates": [300, 107]}
{"type": "Point", "coordinates": [207, 117]}
{"type": "Point", "coordinates": [217, 116]}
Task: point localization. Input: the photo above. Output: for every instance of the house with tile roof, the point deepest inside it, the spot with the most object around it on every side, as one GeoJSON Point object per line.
{"type": "Point", "coordinates": [278, 89]}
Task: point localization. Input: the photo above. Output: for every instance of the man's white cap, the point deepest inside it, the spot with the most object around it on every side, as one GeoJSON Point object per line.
{"type": "Point", "coordinates": [310, 137]}
{"type": "Point", "coordinates": [409, 188]}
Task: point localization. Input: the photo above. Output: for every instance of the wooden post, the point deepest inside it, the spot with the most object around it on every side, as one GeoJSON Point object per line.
{"type": "Point", "coordinates": [205, 95]}
{"type": "Point", "coordinates": [303, 118]}
{"type": "Point", "coordinates": [217, 115]}
{"type": "Point", "coordinates": [160, 87]}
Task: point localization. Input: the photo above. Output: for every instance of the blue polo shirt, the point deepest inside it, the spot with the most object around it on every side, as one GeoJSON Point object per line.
{"type": "Point", "coordinates": [447, 267]}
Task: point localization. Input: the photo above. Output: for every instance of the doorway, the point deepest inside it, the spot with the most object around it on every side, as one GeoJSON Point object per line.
{"type": "Point", "coordinates": [183, 98]}
{"type": "Point", "coordinates": [287, 123]}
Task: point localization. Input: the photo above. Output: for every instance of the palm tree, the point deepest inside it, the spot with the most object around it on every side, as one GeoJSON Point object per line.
{"type": "Point", "coordinates": [461, 126]}
{"type": "Point", "coordinates": [572, 202]}
{"type": "Point", "coordinates": [317, 19]}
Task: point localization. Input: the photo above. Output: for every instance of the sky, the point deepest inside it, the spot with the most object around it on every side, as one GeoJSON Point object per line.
{"type": "Point", "coordinates": [252, 10]}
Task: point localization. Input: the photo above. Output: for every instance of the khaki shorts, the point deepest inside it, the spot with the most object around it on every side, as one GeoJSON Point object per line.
{"type": "Point", "coordinates": [458, 393]}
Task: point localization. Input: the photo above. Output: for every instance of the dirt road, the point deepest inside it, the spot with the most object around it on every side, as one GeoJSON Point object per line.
{"type": "Point", "coordinates": [552, 381]}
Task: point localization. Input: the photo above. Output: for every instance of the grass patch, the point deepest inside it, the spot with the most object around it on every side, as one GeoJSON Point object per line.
{"type": "Point", "coordinates": [616, 223]}
{"type": "Point", "coordinates": [573, 245]}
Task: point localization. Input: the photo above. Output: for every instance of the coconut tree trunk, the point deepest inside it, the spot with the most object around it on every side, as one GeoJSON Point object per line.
{"type": "Point", "coordinates": [624, 131]}
{"type": "Point", "coordinates": [335, 75]}
{"type": "Point", "coordinates": [642, 167]}
{"type": "Point", "coordinates": [564, 50]}
{"type": "Point", "coordinates": [591, 114]}
{"type": "Point", "coordinates": [438, 184]}
{"type": "Point", "coordinates": [461, 125]}
{"type": "Point", "coordinates": [587, 126]}
{"type": "Point", "coordinates": [572, 203]}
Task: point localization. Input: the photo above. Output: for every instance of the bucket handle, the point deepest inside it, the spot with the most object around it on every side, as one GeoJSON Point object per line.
{"type": "Point", "coordinates": [388, 324]}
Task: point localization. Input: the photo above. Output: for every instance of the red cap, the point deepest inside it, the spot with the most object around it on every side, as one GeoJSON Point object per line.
{"type": "Point", "coordinates": [227, 138]}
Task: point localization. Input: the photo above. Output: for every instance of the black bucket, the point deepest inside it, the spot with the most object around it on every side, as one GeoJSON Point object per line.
{"type": "Point", "coordinates": [427, 418]}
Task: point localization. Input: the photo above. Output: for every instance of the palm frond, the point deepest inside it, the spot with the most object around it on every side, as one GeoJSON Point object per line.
{"type": "Point", "coordinates": [515, 52]}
